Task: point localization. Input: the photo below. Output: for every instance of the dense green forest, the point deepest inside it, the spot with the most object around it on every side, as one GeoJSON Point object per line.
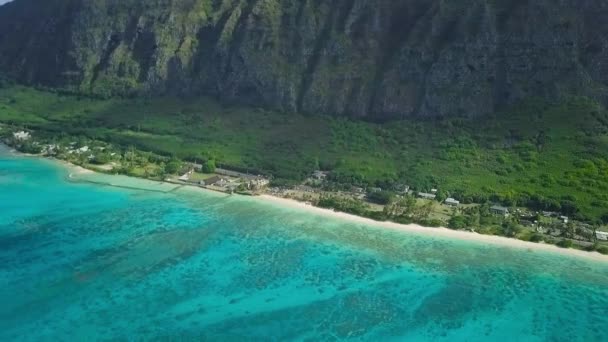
{"type": "Point", "coordinates": [535, 154]}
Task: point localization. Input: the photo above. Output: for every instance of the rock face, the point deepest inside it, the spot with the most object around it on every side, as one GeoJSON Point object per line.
{"type": "Point", "coordinates": [381, 59]}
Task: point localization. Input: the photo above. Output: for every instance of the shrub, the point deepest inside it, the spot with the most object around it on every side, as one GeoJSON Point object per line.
{"type": "Point", "coordinates": [380, 197]}
{"type": "Point", "coordinates": [565, 243]}
{"type": "Point", "coordinates": [209, 166]}
{"type": "Point", "coordinates": [536, 238]}
{"type": "Point", "coordinates": [101, 159]}
{"type": "Point", "coordinates": [457, 222]}
{"type": "Point", "coordinates": [433, 223]}
{"type": "Point", "coordinates": [173, 166]}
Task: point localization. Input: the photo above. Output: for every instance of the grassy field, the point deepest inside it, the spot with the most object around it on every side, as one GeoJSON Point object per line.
{"type": "Point", "coordinates": [548, 156]}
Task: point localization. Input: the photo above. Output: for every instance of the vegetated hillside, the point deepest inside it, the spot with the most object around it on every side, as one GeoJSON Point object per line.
{"type": "Point", "coordinates": [536, 154]}
{"type": "Point", "coordinates": [381, 59]}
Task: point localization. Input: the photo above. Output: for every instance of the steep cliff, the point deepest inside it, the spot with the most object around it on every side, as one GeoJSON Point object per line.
{"type": "Point", "coordinates": [377, 59]}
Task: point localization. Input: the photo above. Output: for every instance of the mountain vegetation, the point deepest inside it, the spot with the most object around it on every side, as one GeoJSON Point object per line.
{"type": "Point", "coordinates": [536, 154]}
{"type": "Point", "coordinates": [498, 101]}
{"type": "Point", "coordinates": [378, 60]}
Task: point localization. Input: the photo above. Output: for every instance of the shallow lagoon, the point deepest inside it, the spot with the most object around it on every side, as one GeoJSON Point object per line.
{"type": "Point", "coordinates": [89, 262]}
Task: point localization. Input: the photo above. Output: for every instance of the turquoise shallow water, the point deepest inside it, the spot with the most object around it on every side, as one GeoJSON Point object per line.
{"type": "Point", "coordinates": [90, 262]}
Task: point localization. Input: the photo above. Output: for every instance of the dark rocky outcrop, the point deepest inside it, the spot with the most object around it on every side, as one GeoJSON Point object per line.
{"type": "Point", "coordinates": [379, 59]}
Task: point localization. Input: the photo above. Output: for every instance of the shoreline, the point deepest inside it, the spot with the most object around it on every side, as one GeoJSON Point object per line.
{"type": "Point", "coordinates": [440, 232]}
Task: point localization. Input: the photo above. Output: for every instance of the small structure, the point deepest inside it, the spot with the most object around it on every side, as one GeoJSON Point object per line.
{"type": "Point", "coordinates": [564, 219]}
{"type": "Point", "coordinates": [375, 190]}
{"type": "Point", "coordinates": [451, 202]}
{"type": "Point", "coordinates": [258, 183]}
{"type": "Point", "coordinates": [498, 210]}
{"type": "Point", "coordinates": [526, 223]}
{"type": "Point", "coordinates": [601, 235]}
{"type": "Point", "coordinates": [216, 180]}
{"type": "Point", "coordinates": [402, 188]}
{"type": "Point", "coordinates": [434, 191]}
{"type": "Point", "coordinates": [357, 190]}
{"type": "Point", "coordinates": [320, 175]}
{"type": "Point", "coordinates": [428, 196]}
{"type": "Point", "coordinates": [22, 135]}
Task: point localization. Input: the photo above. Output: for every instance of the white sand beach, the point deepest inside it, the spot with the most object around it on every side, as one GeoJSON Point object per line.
{"type": "Point", "coordinates": [438, 232]}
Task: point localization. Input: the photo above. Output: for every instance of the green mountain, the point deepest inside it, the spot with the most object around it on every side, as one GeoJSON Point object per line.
{"type": "Point", "coordinates": [513, 92]}
{"type": "Point", "coordinates": [374, 59]}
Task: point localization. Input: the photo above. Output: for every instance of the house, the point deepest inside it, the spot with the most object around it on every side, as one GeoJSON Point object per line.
{"type": "Point", "coordinates": [357, 190]}
{"type": "Point", "coordinates": [564, 219]}
{"type": "Point", "coordinates": [21, 135]}
{"type": "Point", "coordinates": [498, 210]}
{"type": "Point", "coordinates": [375, 190]}
{"type": "Point", "coordinates": [402, 188]}
{"type": "Point", "coordinates": [216, 180]}
{"type": "Point", "coordinates": [319, 175]}
{"type": "Point", "coordinates": [602, 235]}
{"type": "Point", "coordinates": [451, 202]}
{"type": "Point", "coordinates": [258, 183]}
{"type": "Point", "coordinates": [434, 191]}
{"type": "Point", "coordinates": [428, 196]}
{"type": "Point", "coordinates": [549, 214]}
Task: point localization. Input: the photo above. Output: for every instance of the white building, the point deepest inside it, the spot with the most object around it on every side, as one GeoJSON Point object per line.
{"type": "Point", "coordinates": [602, 235]}
{"type": "Point", "coordinates": [320, 175]}
{"type": "Point", "coordinates": [22, 135]}
{"type": "Point", "coordinates": [427, 196]}
{"type": "Point", "coordinates": [452, 202]}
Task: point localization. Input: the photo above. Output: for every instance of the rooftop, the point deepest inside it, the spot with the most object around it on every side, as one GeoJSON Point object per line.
{"type": "Point", "coordinates": [426, 195]}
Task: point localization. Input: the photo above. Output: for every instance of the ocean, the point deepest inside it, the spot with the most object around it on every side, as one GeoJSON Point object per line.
{"type": "Point", "coordinates": [95, 257]}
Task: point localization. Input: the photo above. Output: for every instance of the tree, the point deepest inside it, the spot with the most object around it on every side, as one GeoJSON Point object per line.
{"type": "Point", "coordinates": [593, 236]}
{"type": "Point", "coordinates": [510, 228]}
{"type": "Point", "coordinates": [173, 166]}
{"type": "Point", "coordinates": [568, 230]}
{"type": "Point", "coordinates": [209, 166]}
{"type": "Point", "coordinates": [457, 222]}
{"type": "Point", "coordinates": [441, 196]}
{"type": "Point", "coordinates": [568, 207]}
{"type": "Point", "coordinates": [536, 238]}
{"type": "Point", "coordinates": [423, 212]}
{"type": "Point", "coordinates": [401, 207]}
{"type": "Point", "coordinates": [604, 218]}
{"type": "Point", "coordinates": [101, 158]}
{"type": "Point", "coordinates": [381, 197]}
{"type": "Point", "coordinates": [565, 243]}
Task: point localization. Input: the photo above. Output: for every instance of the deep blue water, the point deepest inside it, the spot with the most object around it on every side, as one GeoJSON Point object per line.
{"type": "Point", "coordinates": [89, 262]}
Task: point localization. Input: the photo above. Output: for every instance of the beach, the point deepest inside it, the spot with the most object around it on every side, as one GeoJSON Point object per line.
{"type": "Point", "coordinates": [441, 232]}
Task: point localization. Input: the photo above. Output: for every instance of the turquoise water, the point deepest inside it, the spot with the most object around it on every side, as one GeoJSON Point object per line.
{"type": "Point", "coordinates": [91, 262]}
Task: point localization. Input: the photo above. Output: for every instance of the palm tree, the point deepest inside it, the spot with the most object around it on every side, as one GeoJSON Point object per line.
{"type": "Point", "coordinates": [594, 228]}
